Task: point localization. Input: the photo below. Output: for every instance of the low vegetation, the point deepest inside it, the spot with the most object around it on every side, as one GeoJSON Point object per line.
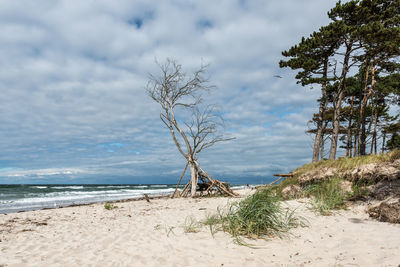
{"type": "Point", "coordinates": [327, 196]}
{"type": "Point", "coordinates": [191, 225]}
{"type": "Point", "coordinates": [110, 206]}
{"type": "Point", "coordinates": [330, 194]}
{"type": "Point", "coordinates": [349, 163]}
{"type": "Point", "coordinates": [259, 215]}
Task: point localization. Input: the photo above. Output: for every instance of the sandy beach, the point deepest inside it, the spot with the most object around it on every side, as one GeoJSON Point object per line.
{"type": "Point", "coordinates": [139, 233]}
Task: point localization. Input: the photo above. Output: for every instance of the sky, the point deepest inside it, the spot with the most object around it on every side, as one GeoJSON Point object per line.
{"type": "Point", "coordinates": [73, 104]}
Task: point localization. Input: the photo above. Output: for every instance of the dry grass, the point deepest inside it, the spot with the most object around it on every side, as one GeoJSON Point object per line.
{"type": "Point", "coordinates": [349, 163]}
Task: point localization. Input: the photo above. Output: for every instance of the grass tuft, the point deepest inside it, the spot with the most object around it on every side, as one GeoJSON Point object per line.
{"type": "Point", "coordinates": [110, 206]}
{"type": "Point", "coordinates": [326, 196]}
{"type": "Point", "coordinates": [191, 225]}
{"type": "Point", "coordinates": [259, 215]}
{"type": "Point", "coordinates": [213, 221]}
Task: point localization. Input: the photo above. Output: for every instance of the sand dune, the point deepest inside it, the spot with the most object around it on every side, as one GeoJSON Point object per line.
{"type": "Point", "coordinates": [153, 234]}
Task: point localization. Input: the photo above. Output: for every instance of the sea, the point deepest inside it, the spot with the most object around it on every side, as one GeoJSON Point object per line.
{"type": "Point", "coordinates": [16, 198]}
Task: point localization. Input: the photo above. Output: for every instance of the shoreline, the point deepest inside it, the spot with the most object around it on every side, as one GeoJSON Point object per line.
{"type": "Point", "coordinates": [150, 197]}
{"type": "Point", "coordinates": [91, 203]}
{"type": "Point", "coordinates": [141, 233]}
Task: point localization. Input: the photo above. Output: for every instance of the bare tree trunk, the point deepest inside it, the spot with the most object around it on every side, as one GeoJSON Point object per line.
{"type": "Point", "coordinates": [367, 95]}
{"type": "Point", "coordinates": [338, 103]}
{"type": "Point", "coordinates": [322, 147]}
{"type": "Point", "coordinates": [322, 142]}
{"type": "Point", "coordinates": [355, 144]}
{"type": "Point", "coordinates": [383, 142]}
{"type": "Point", "coordinates": [193, 175]}
{"type": "Point", "coordinates": [322, 107]}
{"type": "Point", "coordinates": [356, 133]}
{"type": "Point", "coordinates": [336, 126]}
{"type": "Point", "coordinates": [349, 135]}
{"type": "Point", "coordinates": [373, 142]}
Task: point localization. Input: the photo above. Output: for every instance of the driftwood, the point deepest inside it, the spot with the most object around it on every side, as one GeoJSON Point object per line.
{"type": "Point", "coordinates": [206, 184]}
{"type": "Point", "coordinates": [284, 175]}
{"type": "Point", "coordinates": [179, 182]}
{"type": "Point", "coordinates": [280, 179]}
{"type": "Point", "coordinates": [146, 197]}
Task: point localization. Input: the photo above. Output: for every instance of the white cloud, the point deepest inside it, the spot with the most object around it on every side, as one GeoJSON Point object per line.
{"type": "Point", "coordinates": [73, 76]}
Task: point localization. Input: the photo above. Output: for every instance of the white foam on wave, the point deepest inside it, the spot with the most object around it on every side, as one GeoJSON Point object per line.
{"type": "Point", "coordinates": [238, 187]}
{"type": "Point", "coordinates": [71, 196]}
{"type": "Point", "coordinates": [68, 197]}
{"type": "Point", "coordinates": [67, 187]}
{"type": "Point", "coordinates": [40, 187]}
{"type": "Point", "coordinates": [48, 199]}
{"type": "Point", "coordinates": [114, 186]}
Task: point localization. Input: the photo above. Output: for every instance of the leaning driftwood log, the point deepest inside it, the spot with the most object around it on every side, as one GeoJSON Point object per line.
{"type": "Point", "coordinates": [284, 175]}
{"type": "Point", "coordinates": [206, 185]}
{"type": "Point", "coordinates": [280, 179]}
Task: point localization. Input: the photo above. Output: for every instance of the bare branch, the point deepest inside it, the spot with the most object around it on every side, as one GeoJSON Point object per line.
{"type": "Point", "coordinates": [204, 128]}
{"type": "Point", "coordinates": [173, 88]}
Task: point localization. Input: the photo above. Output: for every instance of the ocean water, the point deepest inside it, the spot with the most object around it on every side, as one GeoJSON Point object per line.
{"type": "Point", "coordinates": [14, 198]}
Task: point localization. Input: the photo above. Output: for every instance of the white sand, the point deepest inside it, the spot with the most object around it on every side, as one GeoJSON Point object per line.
{"type": "Point", "coordinates": [152, 234]}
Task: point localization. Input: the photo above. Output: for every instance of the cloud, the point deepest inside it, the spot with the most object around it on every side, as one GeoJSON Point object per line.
{"type": "Point", "coordinates": [73, 76]}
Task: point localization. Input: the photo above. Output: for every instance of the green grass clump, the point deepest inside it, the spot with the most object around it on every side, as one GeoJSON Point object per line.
{"type": "Point", "coordinates": [259, 215]}
{"type": "Point", "coordinates": [110, 206]}
{"type": "Point", "coordinates": [327, 196]}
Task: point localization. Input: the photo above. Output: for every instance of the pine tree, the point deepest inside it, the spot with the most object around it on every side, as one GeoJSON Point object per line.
{"type": "Point", "coordinates": [312, 56]}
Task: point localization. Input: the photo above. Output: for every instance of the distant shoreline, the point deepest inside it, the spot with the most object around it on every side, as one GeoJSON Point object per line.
{"type": "Point", "coordinates": [168, 189]}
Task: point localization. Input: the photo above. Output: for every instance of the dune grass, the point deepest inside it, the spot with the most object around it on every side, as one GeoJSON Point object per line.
{"type": "Point", "coordinates": [327, 196]}
{"type": "Point", "coordinates": [259, 215]}
{"type": "Point", "coordinates": [349, 163]}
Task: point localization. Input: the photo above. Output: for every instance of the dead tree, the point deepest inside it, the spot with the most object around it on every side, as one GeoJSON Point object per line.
{"type": "Point", "coordinates": [175, 91]}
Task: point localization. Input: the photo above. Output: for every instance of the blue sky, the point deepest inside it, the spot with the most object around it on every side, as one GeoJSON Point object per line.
{"type": "Point", "coordinates": [73, 107]}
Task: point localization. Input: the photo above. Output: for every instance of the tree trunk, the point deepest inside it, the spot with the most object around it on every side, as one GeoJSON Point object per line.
{"type": "Point", "coordinates": [362, 115]}
{"type": "Point", "coordinates": [373, 142]}
{"type": "Point", "coordinates": [349, 136]}
{"type": "Point", "coordinates": [193, 175]}
{"type": "Point", "coordinates": [356, 145]}
{"type": "Point", "coordinates": [338, 103]}
{"type": "Point", "coordinates": [322, 146]}
{"type": "Point", "coordinates": [383, 142]}
{"type": "Point", "coordinates": [322, 142]}
{"type": "Point", "coordinates": [322, 106]}
{"type": "Point", "coordinates": [363, 138]}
